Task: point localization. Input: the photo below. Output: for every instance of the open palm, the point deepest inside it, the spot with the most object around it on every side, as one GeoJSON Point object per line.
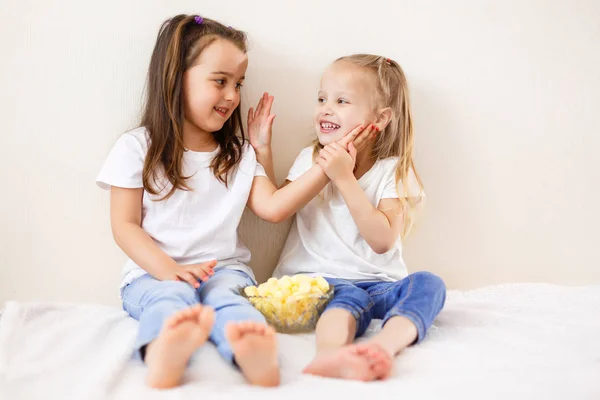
{"type": "Point", "coordinates": [260, 123]}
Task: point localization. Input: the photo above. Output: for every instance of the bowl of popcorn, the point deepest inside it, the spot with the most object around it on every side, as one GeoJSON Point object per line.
{"type": "Point", "coordinates": [291, 304]}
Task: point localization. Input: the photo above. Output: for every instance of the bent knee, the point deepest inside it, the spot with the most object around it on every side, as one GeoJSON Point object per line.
{"type": "Point", "coordinates": [431, 284]}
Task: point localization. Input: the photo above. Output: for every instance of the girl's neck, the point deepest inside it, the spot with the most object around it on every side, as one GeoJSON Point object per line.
{"type": "Point", "coordinates": [196, 139]}
{"type": "Point", "coordinates": [364, 162]}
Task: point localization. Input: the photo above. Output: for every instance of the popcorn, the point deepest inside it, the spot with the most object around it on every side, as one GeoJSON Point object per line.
{"type": "Point", "coordinates": [291, 304]}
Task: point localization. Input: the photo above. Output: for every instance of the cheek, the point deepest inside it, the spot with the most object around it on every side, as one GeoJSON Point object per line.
{"type": "Point", "coordinates": [350, 119]}
{"type": "Point", "coordinates": [236, 100]}
{"type": "Point", "coordinates": [200, 99]}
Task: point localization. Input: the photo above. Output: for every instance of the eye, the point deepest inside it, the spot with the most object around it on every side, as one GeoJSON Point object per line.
{"type": "Point", "coordinates": [220, 81]}
{"type": "Point", "coordinates": [343, 101]}
{"type": "Point", "coordinates": [238, 86]}
{"type": "Point", "coordinates": [321, 100]}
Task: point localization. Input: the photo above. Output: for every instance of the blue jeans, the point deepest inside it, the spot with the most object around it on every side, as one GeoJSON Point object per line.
{"type": "Point", "coordinates": [418, 297]}
{"type": "Point", "coordinates": [151, 302]}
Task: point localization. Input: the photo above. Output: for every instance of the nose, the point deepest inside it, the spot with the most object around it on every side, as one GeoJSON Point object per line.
{"type": "Point", "coordinates": [230, 94]}
{"type": "Point", "coordinates": [325, 109]}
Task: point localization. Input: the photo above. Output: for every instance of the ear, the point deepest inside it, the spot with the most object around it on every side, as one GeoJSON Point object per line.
{"type": "Point", "coordinates": [383, 118]}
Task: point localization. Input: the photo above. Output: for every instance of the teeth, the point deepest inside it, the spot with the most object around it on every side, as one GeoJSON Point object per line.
{"type": "Point", "coordinates": [222, 110]}
{"type": "Point", "coordinates": [329, 125]}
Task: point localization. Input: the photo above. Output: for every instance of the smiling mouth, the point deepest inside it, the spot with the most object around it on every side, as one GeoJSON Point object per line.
{"type": "Point", "coordinates": [221, 111]}
{"type": "Point", "coordinates": [328, 127]}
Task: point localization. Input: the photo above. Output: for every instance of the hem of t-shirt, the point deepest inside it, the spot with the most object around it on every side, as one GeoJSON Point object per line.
{"type": "Point", "coordinates": [104, 185]}
{"type": "Point", "coordinates": [256, 175]}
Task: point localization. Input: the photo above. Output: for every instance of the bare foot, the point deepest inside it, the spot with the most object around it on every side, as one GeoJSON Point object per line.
{"type": "Point", "coordinates": [379, 359]}
{"type": "Point", "coordinates": [344, 363]}
{"type": "Point", "coordinates": [254, 348]}
{"type": "Point", "coordinates": [181, 335]}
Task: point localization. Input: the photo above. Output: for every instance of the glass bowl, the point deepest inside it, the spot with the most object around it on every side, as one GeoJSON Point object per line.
{"type": "Point", "coordinates": [298, 313]}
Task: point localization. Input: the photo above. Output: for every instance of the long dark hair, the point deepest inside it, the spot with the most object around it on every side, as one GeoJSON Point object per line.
{"type": "Point", "coordinates": [180, 40]}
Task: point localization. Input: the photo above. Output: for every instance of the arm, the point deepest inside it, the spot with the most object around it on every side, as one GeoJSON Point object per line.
{"type": "Point", "coordinates": [277, 205]}
{"type": "Point", "coordinates": [264, 156]}
{"type": "Point", "coordinates": [266, 200]}
{"type": "Point", "coordinates": [260, 123]}
{"type": "Point", "coordinates": [381, 226]}
{"type": "Point", "coordinates": [126, 221]}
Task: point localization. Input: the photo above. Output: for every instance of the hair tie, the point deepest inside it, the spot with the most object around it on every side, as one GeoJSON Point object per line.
{"type": "Point", "coordinates": [388, 61]}
{"type": "Point", "coordinates": [198, 19]}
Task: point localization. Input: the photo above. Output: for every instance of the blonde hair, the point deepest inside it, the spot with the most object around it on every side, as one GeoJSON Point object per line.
{"type": "Point", "coordinates": [396, 139]}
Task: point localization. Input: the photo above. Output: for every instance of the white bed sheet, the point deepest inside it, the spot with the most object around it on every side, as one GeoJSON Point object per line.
{"type": "Point", "coordinates": [518, 341]}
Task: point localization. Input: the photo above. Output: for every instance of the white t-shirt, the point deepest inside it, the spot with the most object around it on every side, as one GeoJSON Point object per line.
{"type": "Point", "coordinates": [324, 239]}
{"type": "Point", "coordinates": [191, 226]}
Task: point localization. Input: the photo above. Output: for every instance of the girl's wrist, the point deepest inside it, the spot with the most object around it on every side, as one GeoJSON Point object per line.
{"type": "Point", "coordinates": [264, 150]}
{"type": "Point", "coordinates": [344, 179]}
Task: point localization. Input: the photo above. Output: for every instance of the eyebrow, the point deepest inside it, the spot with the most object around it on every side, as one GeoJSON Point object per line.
{"type": "Point", "coordinates": [226, 74]}
{"type": "Point", "coordinates": [342, 94]}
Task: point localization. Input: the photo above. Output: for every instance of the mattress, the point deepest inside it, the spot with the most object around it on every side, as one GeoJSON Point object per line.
{"type": "Point", "coordinates": [517, 341]}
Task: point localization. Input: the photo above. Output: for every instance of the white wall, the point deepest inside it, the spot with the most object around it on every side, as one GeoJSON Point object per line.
{"type": "Point", "coordinates": [505, 96]}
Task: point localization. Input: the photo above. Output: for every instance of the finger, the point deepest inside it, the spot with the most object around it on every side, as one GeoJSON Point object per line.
{"type": "Point", "coordinates": [368, 132]}
{"type": "Point", "coordinates": [189, 278]}
{"type": "Point", "coordinates": [268, 105]}
{"type": "Point", "coordinates": [250, 115]}
{"type": "Point", "coordinates": [208, 267]}
{"type": "Point", "coordinates": [324, 153]}
{"type": "Point", "coordinates": [265, 101]}
{"type": "Point", "coordinates": [354, 132]}
{"type": "Point", "coordinates": [205, 268]}
{"type": "Point", "coordinates": [271, 118]}
{"type": "Point", "coordinates": [336, 147]}
{"type": "Point", "coordinates": [331, 150]}
{"type": "Point", "coordinates": [321, 162]}
{"type": "Point", "coordinates": [350, 136]}
{"type": "Point", "coordinates": [352, 150]}
{"type": "Point", "coordinates": [196, 270]}
{"type": "Point", "coordinates": [203, 273]}
{"type": "Point", "coordinates": [365, 136]}
{"type": "Point", "coordinates": [259, 107]}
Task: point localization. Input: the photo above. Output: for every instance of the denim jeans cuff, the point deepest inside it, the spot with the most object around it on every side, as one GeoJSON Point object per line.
{"type": "Point", "coordinates": [414, 318]}
{"type": "Point", "coordinates": [140, 342]}
{"type": "Point", "coordinates": [356, 313]}
{"type": "Point", "coordinates": [225, 351]}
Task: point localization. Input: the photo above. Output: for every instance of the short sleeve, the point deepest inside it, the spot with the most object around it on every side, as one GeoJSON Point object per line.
{"type": "Point", "coordinates": [392, 190]}
{"type": "Point", "coordinates": [302, 164]}
{"type": "Point", "coordinates": [260, 170]}
{"type": "Point", "coordinates": [124, 165]}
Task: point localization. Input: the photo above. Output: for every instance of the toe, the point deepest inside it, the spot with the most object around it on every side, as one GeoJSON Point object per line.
{"type": "Point", "coordinates": [174, 320]}
{"type": "Point", "coordinates": [269, 331]}
{"type": "Point", "coordinates": [206, 317]}
{"type": "Point", "coordinates": [233, 332]}
{"type": "Point", "coordinates": [259, 329]}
